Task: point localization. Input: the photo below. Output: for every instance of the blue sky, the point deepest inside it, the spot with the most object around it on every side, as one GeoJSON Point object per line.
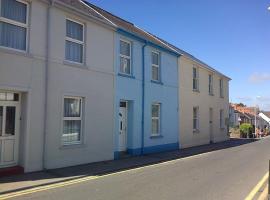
{"type": "Point", "coordinates": [232, 36]}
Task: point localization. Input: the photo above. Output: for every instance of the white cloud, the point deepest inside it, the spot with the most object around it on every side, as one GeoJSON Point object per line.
{"type": "Point", "coordinates": [244, 99]}
{"type": "Point", "coordinates": [259, 77]}
{"type": "Point", "coordinates": [265, 99]}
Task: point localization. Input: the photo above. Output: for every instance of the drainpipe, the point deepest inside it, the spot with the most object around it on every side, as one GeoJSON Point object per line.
{"type": "Point", "coordinates": [48, 25]}
{"type": "Point", "coordinates": [143, 93]}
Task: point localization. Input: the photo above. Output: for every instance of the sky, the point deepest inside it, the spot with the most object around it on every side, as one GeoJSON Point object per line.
{"type": "Point", "coordinates": [233, 36]}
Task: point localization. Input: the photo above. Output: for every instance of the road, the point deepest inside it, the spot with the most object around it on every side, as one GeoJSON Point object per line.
{"type": "Point", "coordinates": [224, 174]}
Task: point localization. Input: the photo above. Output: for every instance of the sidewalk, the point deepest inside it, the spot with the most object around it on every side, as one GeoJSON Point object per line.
{"type": "Point", "coordinates": [30, 180]}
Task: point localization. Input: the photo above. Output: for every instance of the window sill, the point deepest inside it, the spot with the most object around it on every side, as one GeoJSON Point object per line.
{"type": "Point", "coordinates": [156, 136]}
{"type": "Point", "coordinates": [126, 75]}
{"type": "Point", "coordinates": [198, 91]}
{"type": "Point", "coordinates": [15, 51]}
{"type": "Point", "coordinates": [72, 146]}
{"type": "Point", "coordinates": [196, 131]}
{"type": "Point", "coordinates": [74, 64]}
{"type": "Point", "coordinates": [222, 97]}
{"type": "Point", "coordinates": [156, 82]}
{"type": "Point", "coordinates": [222, 129]}
{"type": "Point", "coordinates": [211, 94]}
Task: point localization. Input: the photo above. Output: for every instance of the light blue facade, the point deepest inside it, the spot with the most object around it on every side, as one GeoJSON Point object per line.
{"type": "Point", "coordinates": [141, 92]}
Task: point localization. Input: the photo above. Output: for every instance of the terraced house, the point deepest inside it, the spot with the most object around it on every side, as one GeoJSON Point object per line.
{"type": "Point", "coordinates": [204, 104]}
{"type": "Point", "coordinates": [80, 85]}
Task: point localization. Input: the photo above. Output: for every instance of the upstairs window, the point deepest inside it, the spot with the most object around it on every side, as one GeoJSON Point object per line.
{"type": "Point", "coordinates": [221, 88]}
{"type": "Point", "coordinates": [155, 66]}
{"type": "Point", "coordinates": [125, 57]}
{"type": "Point", "coordinates": [210, 84]}
{"type": "Point", "coordinates": [13, 24]}
{"type": "Point", "coordinates": [195, 79]}
{"type": "Point", "coordinates": [74, 41]}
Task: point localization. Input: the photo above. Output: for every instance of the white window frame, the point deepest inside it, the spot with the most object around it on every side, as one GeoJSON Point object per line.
{"type": "Point", "coordinates": [75, 41]}
{"type": "Point", "coordinates": [210, 84]}
{"type": "Point", "coordinates": [195, 78]}
{"type": "Point", "coordinates": [125, 56]}
{"type": "Point", "coordinates": [221, 119]}
{"type": "Point", "coordinates": [16, 23]}
{"type": "Point", "coordinates": [156, 118]}
{"type": "Point", "coordinates": [195, 129]}
{"type": "Point", "coordinates": [72, 119]}
{"type": "Point", "coordinates": [221, 88]}
{"type": "Point", "coordinates": [156, 66]}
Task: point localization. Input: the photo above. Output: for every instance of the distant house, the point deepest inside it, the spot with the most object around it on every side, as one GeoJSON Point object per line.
{"type": "Point", "coordinates": [266, 118]}
{"type": "Point", "coordinates": [234, 116]}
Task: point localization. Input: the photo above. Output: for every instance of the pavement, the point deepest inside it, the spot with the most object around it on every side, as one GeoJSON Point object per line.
{"type": "Point", "coordinates": [226, 170]}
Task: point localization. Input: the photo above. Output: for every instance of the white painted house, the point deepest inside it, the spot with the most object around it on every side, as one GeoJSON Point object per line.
{"type": "Point", "coordinates": [56, 84]}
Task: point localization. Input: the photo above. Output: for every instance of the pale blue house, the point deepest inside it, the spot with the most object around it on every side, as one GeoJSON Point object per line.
{"type": "Point", "coordinates": [146, 91]}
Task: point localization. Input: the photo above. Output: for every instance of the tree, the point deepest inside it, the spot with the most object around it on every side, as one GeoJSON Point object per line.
{"type": "Point", "coordinates": [241, 105]}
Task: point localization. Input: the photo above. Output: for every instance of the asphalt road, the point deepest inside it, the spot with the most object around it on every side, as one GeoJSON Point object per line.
{"type": "Point", "coordinates": [224, 174]}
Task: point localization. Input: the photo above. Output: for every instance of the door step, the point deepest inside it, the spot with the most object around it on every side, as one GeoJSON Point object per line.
{"type": "Point", "coordinates": [9, 171]}
{"type": "Point", "coordinates": [124, 154]}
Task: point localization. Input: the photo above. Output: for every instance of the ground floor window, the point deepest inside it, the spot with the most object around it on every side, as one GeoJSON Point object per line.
{"type": "Point", "coordinates": [72, 120]}
{"type": "Point", "coordinates": [195, 118]}
{"type": "Point", "coordinates": [221, 119]}
{"type": "Point", "coordinates": [156, 119]}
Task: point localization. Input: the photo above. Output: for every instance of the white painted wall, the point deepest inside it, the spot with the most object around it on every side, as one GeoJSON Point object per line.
{"type": "Point", "coordinates": [93, 81]}
{"type": "Point", "coordinates": [189, 99]}
{"type": "Point", "coordinates": [23, 72]}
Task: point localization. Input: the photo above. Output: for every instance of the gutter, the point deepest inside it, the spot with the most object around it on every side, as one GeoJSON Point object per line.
{"type": "Point", "coordinates": [143, 93]}
{"type": "Point", "coordinates": [48, 25]}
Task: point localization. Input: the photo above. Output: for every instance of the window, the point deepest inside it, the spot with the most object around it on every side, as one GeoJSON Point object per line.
{"type": "Point", "coordinates": [221, 92]}
{"type": "Point", "coordinates": [125, 57]}
{"type": "Point", "coordinates": [8, 96]}
{"type": "Point", "coordinates": [210, 84]}
{"type": "Point", "coordinates": [72, 120]}
{"type": "Point", "coordinates": [195, 118]}
{"type": "Point", "coordinates": [13, 24]}
{"type": "Point", "coordinates": [156, 119]}
{"type": "Point", "coordinates": [155, 66]}
{"type": "Point", "coordinates": [74, 41]}
{"type": "Point", "coordinates": [195, 79]}
{"type": "Point", "coordinates": [221, 119]}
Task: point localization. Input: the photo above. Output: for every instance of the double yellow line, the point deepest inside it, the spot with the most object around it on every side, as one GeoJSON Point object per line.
{"type": "Point", "coordinates": [88, 178]}
{"type": "Point", "coordinates": [254, 191]}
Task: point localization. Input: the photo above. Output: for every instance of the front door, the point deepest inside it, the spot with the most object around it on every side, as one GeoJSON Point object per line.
{"type": "Point", "coordinates": [9, 133]}
{"type": "Point", "coordinates": [211, 125]}
{"type": "Point", "coordinates": [123, 126]}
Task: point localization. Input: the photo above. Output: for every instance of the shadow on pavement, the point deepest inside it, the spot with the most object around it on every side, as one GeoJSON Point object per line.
{"type": "Point", "coordinates": [101, 168]}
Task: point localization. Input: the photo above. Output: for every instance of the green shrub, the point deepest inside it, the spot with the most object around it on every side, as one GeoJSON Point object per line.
{"type": "Point", "coordinates": [245, 129]}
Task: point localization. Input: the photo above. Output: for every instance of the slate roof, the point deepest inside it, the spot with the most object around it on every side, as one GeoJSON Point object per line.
{"type": "Point", "coordinates": [118, 22]}
{"type": "Point", "coordinates": [267, 113]}
{"type": "Point", "coordinates": [130, 27]}
{"type": "Point", "coordinates": [80, 5]}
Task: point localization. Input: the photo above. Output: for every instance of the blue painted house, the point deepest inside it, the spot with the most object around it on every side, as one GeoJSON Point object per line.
{"type": "Point", "coordinates": [146, 91]}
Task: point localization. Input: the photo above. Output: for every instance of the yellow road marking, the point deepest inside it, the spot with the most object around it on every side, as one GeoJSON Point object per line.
{"type": "Point", "coordinates": [88, 178]}
{"type": "Point", "coordinates": [254, 191]}
{"type": "Point", "coordinates": [264, 194]}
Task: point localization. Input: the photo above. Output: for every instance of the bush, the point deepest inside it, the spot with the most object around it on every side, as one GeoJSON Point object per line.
{"type": "Point", "coordinates": [245, 129]}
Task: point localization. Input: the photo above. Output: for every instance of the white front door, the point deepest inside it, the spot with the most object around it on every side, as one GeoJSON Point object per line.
{"type": "Point", "coordinates": [9, 133]}
{"type": "Point", "coordinates": [123, 126]}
